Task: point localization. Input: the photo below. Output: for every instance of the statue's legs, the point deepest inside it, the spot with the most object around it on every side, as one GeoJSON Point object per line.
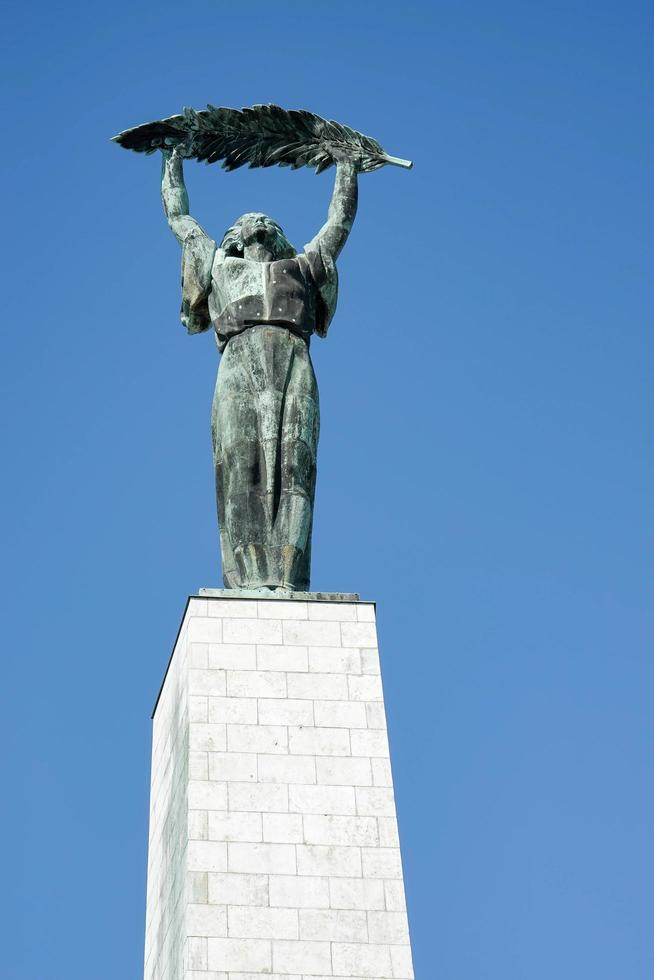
{"type": "Point", "coordinates": [300, 428]}
{"type": "Point", "coordinates": [265, 427]}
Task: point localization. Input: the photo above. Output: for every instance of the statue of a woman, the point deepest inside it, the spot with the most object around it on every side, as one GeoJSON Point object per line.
{"type": "Point", "coordinates": [264, 301]}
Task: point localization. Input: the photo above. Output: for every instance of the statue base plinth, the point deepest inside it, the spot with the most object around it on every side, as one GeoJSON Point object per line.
{"type": "Point", "coordinates": [273, 845]}
{"type": "Point", "coordinates": [279, 594]}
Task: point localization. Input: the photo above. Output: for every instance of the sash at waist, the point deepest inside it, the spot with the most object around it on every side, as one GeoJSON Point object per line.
{"type": "Point", "coordinates": [235, 330]}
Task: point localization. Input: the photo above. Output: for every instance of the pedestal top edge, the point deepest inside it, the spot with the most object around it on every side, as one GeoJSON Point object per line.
{"type": "Point", "coordinates": [277, 595]}
{"type": "Point", "coordinates": [261, 595]}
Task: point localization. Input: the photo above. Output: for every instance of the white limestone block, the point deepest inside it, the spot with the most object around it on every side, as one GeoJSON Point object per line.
{"type": "Point", "coordinates": [388, 927]}
{"type": "Point", "coordinates": [336, 862]}
{"type": "Point", "coordinates": [233, 766]}
{"type": "Point", "coordinates": [381, 862]}
{"type": "Point", "coordinates": [206, 855]}
{"type": "Point", "coordinates": [198, 825]}
{"type": "Point", "coordinates": [235, 826]}
{"type": "Point", "coordinates": [340, 714]}
{"type": "Point", "coordinates": [283, 828]}
{"type": "Point", "coordinates": [269, 739]}
{"type": "Point", "coordinates": [389, 835]}
{"type": "Point", "coordinates": [332, 687]}
{"type": "Point", "coordinates": [252, 631]}
{"type": "Point", "coordinates": [319, 741]}
{"type": "Point", "coordinates": [301, 956]}
{"type": "Point", "coordinates": [196, 953]}
{"type": "Point", "coordinates": [287, 769]}
{"type": "Point", "coordinates": [367, 687]}
{"type": "Point", "coordinates": [196, 607]}
{"type": "Point", "coordinates": [381, 772]}
{"type": "Point", "coordinates": [240, 954]}
{"type": "Point", "coordinates": [258, 797]}
{"type": "Point", "coordinates": [276, 859]}
{"type": "Point", "coordinates": [321, 799]}
{"type": "Point", "coordinates": [233, 608]}
{"type": "Point", "coordinates": [321, 829]}
{"type": "Point", "coordinates": [238, 889]}
{"type": "Point", "coordinates": [341, 612]}
{"type": "Point", "coordinates": [198, 708]}
{"type": "Point", "coordinates": [282, 658]}
{"type": "Point", "coordinates": [207, 738]}
{"type": "Point", "coordinates": [268, 976]}
{"type": "Point", "coordinates": [375, 714]}
{"type": "Point", "coordinates": [312, 633]}
{"type": "Point", "coordinates": [197, 889]}
{"type": "Point", "coordinates": [232, 656]}
{"type": "Point", "coordinates": [279, 609]}
{"type": "Point", "coordinates": [285, 711]}
{"type": "Point", "coordinates": [210, 975]}
{"type": "Point", "coordinates": [376, 801]}
{"type": "Point", "coordinates": [401, 960]}
{"type": "Point", "coordinates": [356, 893]}
{"type": "Point", "coordinates": [205, 630]}
{"type": "Point", "coordinates": [344, 771]}
{"type": "Point", "coordinates": [334, 660]}
{"type": "Point", "coordinates": [362, 960]}
{"type": "Point", "coordinates": [232, 710]}
{"type": "Point", "coordinates": [291, 891]}
{"type": "Point", "coordinates": [204, 795]}
{"type": "Point", "coordinates": [206, 920]}
{"type": "Point", "coordinates": [199, 654]}
{"type": "Point", "coordinates": [263, 923]}
{"type": "Point", "coordinates": [370, 743]}
{"type": "Point", "coordinates": [334, 925]}
{"type": "Point", "coordinates": [359, 635]}
{"type": "Point", "coordinates": [210, 682]}
{"type": "Point", "coordinates": [256, 684]}
{"type": "Point", "coordinates": [394, 896]}
{"type": "Point", "coordinates": [370, 662]}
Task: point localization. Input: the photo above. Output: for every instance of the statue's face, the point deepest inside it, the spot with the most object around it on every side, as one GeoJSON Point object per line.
{"type": "Point", "coordinates": [259, 229]}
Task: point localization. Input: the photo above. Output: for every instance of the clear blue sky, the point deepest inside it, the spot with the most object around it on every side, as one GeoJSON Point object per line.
{"type": "Point", "coordinates": [485, 467]}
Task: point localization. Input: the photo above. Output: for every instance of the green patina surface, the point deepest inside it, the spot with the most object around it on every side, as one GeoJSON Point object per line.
{"type": "Point", "coordinates": [264, 300]}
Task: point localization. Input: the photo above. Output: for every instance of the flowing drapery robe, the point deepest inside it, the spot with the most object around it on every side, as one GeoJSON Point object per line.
{"type": "Point", "coordinates": [266, 415]}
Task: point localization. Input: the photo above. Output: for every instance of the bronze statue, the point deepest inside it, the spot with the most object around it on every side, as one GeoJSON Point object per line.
{"type": "Point", "coordinates": [264, 301]}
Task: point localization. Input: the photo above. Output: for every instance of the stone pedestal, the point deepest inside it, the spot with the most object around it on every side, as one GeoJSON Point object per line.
{"type": "Point", "coordinates": [273, 846]}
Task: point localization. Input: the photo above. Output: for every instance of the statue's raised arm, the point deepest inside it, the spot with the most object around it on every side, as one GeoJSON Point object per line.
{"type": "Point", "coordinates": [174, 195]}
{"type": "Point", "coordinates": [198, 249]}
{"type": "Point", "coordinates": [342, 210]}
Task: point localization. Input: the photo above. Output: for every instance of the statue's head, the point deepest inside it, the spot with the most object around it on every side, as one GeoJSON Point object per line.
{"type": "Point", "coordinates": [255, 228]}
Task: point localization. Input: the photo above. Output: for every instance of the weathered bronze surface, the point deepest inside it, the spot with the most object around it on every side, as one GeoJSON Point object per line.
{"type": "Point", "coordinates": [264, 301]}
{"type": "Point", "coordinates": [261, 136]}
